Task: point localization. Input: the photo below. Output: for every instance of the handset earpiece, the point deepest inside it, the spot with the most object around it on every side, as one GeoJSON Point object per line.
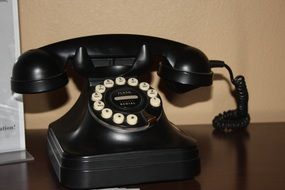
{"type": "Point", "coordinates": [37, 71]}
{"type": "Point", "coordinates": [185, 73]}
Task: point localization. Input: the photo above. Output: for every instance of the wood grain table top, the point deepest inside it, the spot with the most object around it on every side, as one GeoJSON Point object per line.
{"type": "Point", "coordinates": [252, 159]}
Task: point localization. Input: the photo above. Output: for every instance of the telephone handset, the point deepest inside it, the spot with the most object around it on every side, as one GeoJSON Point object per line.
{"type": "Point", "coordinates": [117, 132]}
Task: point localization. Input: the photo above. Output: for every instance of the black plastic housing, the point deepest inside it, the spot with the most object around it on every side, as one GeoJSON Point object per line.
{"type": "Point", "coordinates": [102, 56]}
{"type": "Point", "coordinates": [85, 154]}
{"type": "Point", "coordinates": [36, 71]}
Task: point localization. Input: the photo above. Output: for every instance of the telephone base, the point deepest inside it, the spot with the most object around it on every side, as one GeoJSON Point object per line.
{"type": "Point", "coordinates": [119, 169]}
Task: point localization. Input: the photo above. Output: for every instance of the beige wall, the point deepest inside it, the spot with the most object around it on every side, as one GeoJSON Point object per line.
{"type": "Point", "coordinates": [248, 35]}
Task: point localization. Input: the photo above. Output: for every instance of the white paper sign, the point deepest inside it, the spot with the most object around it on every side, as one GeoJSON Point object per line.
{"type": "Point", "coordinates": [12, 136]}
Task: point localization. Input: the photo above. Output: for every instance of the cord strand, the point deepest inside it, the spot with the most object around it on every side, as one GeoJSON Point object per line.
{"type": "Point", "coordinates": [239, 118]}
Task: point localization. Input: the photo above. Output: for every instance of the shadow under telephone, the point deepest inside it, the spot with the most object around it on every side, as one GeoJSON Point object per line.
{"type": "Point", "coordinates": [117, 132]}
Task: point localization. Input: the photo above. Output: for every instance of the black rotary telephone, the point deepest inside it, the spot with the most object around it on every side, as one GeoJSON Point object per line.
{"type": "Point", "coordinates": [117, 132]}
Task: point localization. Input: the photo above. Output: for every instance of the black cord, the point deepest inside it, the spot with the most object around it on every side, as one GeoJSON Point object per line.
{"type": "Point", "coordinates": [233, 119]}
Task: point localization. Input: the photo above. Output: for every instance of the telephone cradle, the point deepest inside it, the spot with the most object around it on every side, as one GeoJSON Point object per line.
{"type": "Point", "coordinates": [117, 133]}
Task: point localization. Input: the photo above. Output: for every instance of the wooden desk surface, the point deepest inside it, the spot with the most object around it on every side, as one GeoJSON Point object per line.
{"type": "Point", "coordinates": [249, 160]}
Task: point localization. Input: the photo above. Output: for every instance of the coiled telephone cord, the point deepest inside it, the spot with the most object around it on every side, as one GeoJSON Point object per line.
{"type": "Point", "coordinates": [239, 118]}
